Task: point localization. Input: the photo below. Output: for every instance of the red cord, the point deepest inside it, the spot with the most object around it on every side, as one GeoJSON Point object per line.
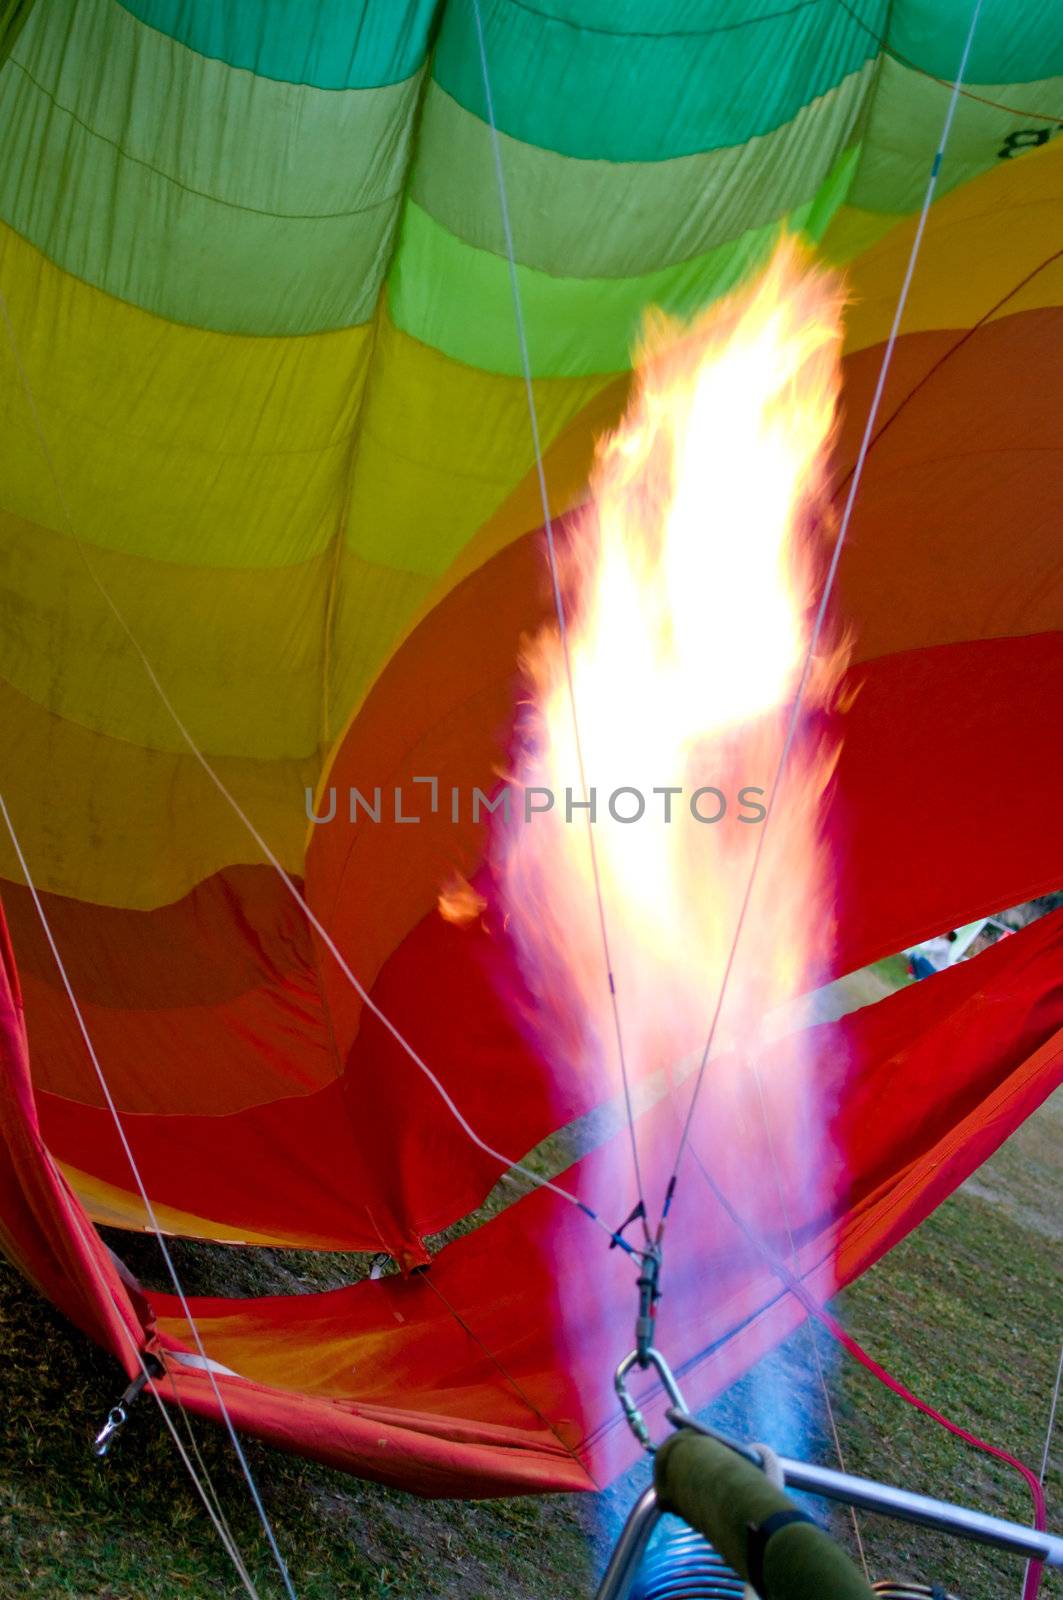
{"type": "Point", "coordinates": [1031, 1586]}
{"type": "Point", "coordinates": [1033, 1575]}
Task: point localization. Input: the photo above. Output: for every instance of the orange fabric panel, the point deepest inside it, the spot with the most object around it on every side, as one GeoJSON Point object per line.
{"type": "Point", "coordinates": [955, 533]}
{"type": "Point", "coordinates": [442, 708]}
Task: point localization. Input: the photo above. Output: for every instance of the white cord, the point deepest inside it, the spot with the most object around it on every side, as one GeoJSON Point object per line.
{"type": "Point", "coordinates": [821, 612]}
{"type": "Point", "coordinates": [1049, 1431]}
{"type": "Point", "coordinates": [559, 605]}
{"type": "Point", "coordinates": [148, 1207]}
{"type": "Point", "coordinates": [214, 1512]}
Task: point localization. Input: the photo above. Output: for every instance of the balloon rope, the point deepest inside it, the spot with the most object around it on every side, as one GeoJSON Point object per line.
{"type": "Point", "coordinates": [559, 606]}
{"type": "Point", "coordinates": [836, 1437]}
{"type": "Point", "coordinates": [507, 1163]}
{"type": "Point", "coordinates": [148, 1207]}
{"type": "Point", "coordinates": [211, 1501]}
{"type": "Point", "coordinates": [1049, 1431]}
{"type": "Point", "coordinates": [828, 586]}
{"type": "Point", "coordinates": [1053, 1408]}
{"type": "Point", "coordinates": [791, 731]}
{"type": "Point", "coordinates": [814, 1308]}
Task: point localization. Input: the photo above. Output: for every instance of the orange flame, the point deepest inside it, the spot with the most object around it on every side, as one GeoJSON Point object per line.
{"type": "Point", "coordinates": [459, 902]}
{"type": "Point", "coordinates": [689, 586]}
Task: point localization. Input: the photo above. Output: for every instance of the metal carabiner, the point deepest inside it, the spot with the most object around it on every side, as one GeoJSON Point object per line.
{"type": "Point", "coordinates": [118, 1415]}
{"type": "Point", "coordinates": [117, 1418]}
{"type": "Point", "coordinates": [651, 1357]}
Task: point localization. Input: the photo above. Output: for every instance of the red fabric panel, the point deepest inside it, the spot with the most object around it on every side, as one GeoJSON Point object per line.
{"type": "Point", "coordinates": [218, 992]}
{"type": "Point", "coordinates": [922, 840]}
{"type": "Point", "coordinates": [393, 1445]}
{"type": "Point", "coordinates": [43, 1228]}
{"type": "Point", "coordinates": [287, 1173]}
{"type": "Point", "coordinates": [954, 539]}
{"type": "Point", "coordinates": [925, 1084]}
{"type": "Point", "coordinates": [946, 804]}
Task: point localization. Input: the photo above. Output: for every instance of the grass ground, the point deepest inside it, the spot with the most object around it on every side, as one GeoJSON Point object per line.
{"type": "Point", "coordinates": [968, 1311]}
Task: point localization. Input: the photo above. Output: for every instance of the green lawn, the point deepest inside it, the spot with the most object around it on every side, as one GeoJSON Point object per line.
{"type": "Point", "coordinates": [968, 1311]}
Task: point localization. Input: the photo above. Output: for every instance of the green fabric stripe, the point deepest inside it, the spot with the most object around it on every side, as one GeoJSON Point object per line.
{"type": "Point", "coordinates": [903, 130]}
{"type": "Point", "coordinates": [710, 75]}
{"type": "Point", "coordinates": [204, 195]}
{"type": "Point", "coordinates": [13, 16]}
{"type": "Point", "coordinates": [458, 299]}
{"type": "Point", "coordinates": [600, 219]}
{"type": "Point", "coordinates": [1016, 41]}
{"type": "Point", "coordinates": [330, 44]}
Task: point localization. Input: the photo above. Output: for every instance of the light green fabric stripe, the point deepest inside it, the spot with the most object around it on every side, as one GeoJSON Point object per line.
{"type": "Point", "coordinates": [205, 195]}
{"type": "Point", "coordinates": [450, 295]}
{"type": "Point", "coordinates": [904, 128]}
{"type": "Point", "coordinates": [254, 143]}
{"type": "Point", "coordinates": [603, 219]}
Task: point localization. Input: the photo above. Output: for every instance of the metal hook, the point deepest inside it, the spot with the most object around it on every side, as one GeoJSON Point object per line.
{"type": "Point", "coordinates": [117, 1418]}
{"type": "Point", "coordinates": [118, 1415]}
{"type": "Point", "coordinates": [651, 1357]}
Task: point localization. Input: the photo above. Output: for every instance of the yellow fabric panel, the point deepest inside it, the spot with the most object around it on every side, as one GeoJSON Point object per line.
{"type": "Point", "coordinates": [566, 465]}
{"type": "Point", "coordinates": [371, 605]}
{"type": "Point", "coordinates": [333, 1361]}
{"type": "Point", "coordinates": [241, 653]}
{"type": "Point", "coordinates": [439, 446]}
{"type": "Point", "coordinates": [981, 242]}
{"type": "Point", "coordinates": [173, 442]}
{"type": "Point", "coordinates": [103, 820]}
{"type": "Point", "coordinates": [112, 1207]}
